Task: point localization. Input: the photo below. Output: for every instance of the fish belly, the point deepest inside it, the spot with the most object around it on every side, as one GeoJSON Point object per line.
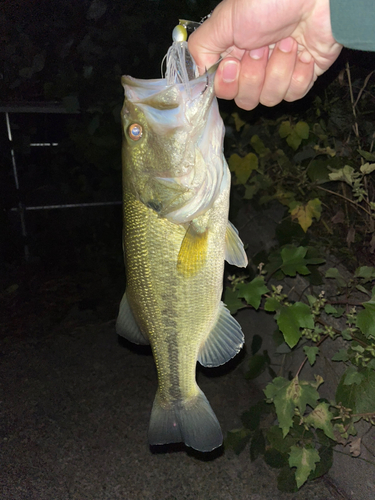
{"type": "Point", "coordinates": [176, 312]}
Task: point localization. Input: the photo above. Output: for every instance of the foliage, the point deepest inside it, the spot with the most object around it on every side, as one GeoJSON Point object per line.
{"type": "Point", "coordinates": [321, 169]}
{"type": "Point", "coordinates": [309, 426]}
{"type": "Point", "coordinates": [319, 161]}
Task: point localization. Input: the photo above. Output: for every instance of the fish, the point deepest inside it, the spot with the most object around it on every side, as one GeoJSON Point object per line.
{"type": "Point", "coordinates": [176, 236]}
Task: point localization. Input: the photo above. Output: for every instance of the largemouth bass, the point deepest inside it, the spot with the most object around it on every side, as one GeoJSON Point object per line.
{"type": "Point", "coordinates": [176, 186]}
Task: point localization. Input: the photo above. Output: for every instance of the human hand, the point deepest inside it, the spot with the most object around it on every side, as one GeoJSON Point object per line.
{"type": "Point", "coordinates": [272, 49]}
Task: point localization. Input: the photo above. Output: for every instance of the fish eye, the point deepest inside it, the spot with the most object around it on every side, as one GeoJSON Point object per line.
{"type": "Point", "coordinates": [135, 131]}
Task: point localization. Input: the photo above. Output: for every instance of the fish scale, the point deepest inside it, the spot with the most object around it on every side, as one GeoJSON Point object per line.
{"type": "Point", "coordinates": [161, 298]}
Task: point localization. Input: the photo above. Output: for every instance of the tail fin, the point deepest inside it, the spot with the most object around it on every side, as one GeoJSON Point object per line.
{"type": "Point", "coordinates": [192, 422]}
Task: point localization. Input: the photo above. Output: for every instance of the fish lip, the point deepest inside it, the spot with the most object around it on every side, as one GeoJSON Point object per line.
{"type": "Point", "coordinates": [150, 87]}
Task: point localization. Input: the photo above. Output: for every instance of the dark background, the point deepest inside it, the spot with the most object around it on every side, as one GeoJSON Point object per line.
{"type": "Point", "coordinates": [73, 54]}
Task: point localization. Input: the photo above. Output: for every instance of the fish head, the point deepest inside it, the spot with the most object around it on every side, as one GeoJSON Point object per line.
{"type": "Point", "coordinates": [166, 130]}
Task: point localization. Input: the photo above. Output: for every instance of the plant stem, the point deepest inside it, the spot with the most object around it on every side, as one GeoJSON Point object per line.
{"type": "Point", "coordinates": [344, 303]}
{"type": "Point", "coordinates": [344, 198]}
{"type": "Point", "coordinates": [304, 361]}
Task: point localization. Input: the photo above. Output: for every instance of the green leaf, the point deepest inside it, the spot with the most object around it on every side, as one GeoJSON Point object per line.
{"type": "Point", "coordinates": [342, 355]}
{"type": "Point", "coordinates": [285, 129]}
{"type": "Point", "coordinates": [294, 140]}
{"type": "Point", "coordinates": [259, 146]}
{"type": "Point", "coordinates": [333, 272]}
{"type": "Point", "coordinates": [271, 304]}
{"type": "Point", "coordinates": [365, 272]}
{"type": "Point", "coordinates": [318, 170]}
{"type": "Point", "coordinates": [325, 151]}
{"type": "Point", "coordinates": [276, 391]}
{"type": "Point", "coordinates": [305, 460]}
{"type": "Point", "coordinates": [311, 299]}
{"type": "Point", "coordinates": [343, 174]}
{"type": "Point", "coordinates": [365, 320]}
{"type": "Point", "coordinates": [326, 461]}
{"type": "Point", "coordinates": [336, 312]}
{"type": "Point", "coordinates": [367, 168]}
{"type": "Point", "coordinates": [238, 122]}
{"type": "Point", "coordinates": [329, 309]}
{"type": "Point", "coordinates": [252, 292]}
{"type": "Point", "coordinates": [275, 459]}
{"type": "Point", "coordinates": [237, 439]}
{"type": "Point", "coordinates": [306, 213]}
{"type": "Point", "coordinates": [320, 418]}
{"type": "Point", "coordinates": [294, 260]}
{"type": "Point", "coordinates": [347, 334]}
{"type": "Point", "coordinates": [243, 167]}
{"type": "Point", "coordinates": [311, 353]}
{"type": "Point", "coordinates": [250, 191]}
{"type": "Point", "coordinates": [277, 441]}
{"type": "Point", "coordinates": [303, 393]}
{"type": "Point", "coordinates": [291, 319]}
{"type": "Point", "coordinates": [232, 301]}
{"type": "Point", "coordinates": [286, 396]}
{"type": "Point", "coordinates": [366, 155]}
{"type": "Point", "coordinates": [362, 289]}
{"type": "Point", "coordinates": [358, 397]}
{"type": "Point", "coordinates": [257, 445]}
{"type": "Point", "coordinates": [357, 348]}
{"type": "Point", "coordinates": [302, 130]}
{"type": "Point", "coordinates": [286, 480]}
{"type": "Point", "coordinates": [353, 376]}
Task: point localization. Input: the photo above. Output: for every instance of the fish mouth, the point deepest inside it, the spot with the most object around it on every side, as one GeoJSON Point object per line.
{"type": "Point", "coordinates": [140, 90]}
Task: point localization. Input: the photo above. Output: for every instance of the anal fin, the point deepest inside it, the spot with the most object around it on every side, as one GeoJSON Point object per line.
{"type": "Point", "coordinates": [223, 342]}
{"type": "Point", "coordinates": [126, 326]}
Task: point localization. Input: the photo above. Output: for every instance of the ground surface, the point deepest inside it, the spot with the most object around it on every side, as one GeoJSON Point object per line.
{"type": "Point", "coordinates": [75, 405]}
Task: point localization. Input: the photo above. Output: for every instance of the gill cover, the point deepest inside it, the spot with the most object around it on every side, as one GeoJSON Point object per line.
{"type": "Point", "coordinates": [183, 128]}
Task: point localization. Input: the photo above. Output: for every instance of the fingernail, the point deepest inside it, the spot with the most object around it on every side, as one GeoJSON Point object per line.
{"type": "Point", "coordinates": [257, 53]}
{"type": "Point", "coordinates": [230, 71]}
{"type": "Point", "coordinates": [286, 44]}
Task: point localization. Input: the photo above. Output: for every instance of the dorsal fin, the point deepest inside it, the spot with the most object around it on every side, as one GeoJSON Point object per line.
{"type": "Point", "coordinates": [234, 250]}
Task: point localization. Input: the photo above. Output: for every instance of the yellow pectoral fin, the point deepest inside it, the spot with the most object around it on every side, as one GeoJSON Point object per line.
{"type": "Point", "coordinates": [193, 252]}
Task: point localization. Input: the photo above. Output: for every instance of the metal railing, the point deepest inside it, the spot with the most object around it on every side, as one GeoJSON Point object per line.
{"type": "Point", "coordinates": [21, 208]}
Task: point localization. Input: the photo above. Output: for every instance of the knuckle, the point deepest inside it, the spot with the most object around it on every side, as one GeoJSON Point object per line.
{"type": "Point", "coordinates": [270, 101]}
